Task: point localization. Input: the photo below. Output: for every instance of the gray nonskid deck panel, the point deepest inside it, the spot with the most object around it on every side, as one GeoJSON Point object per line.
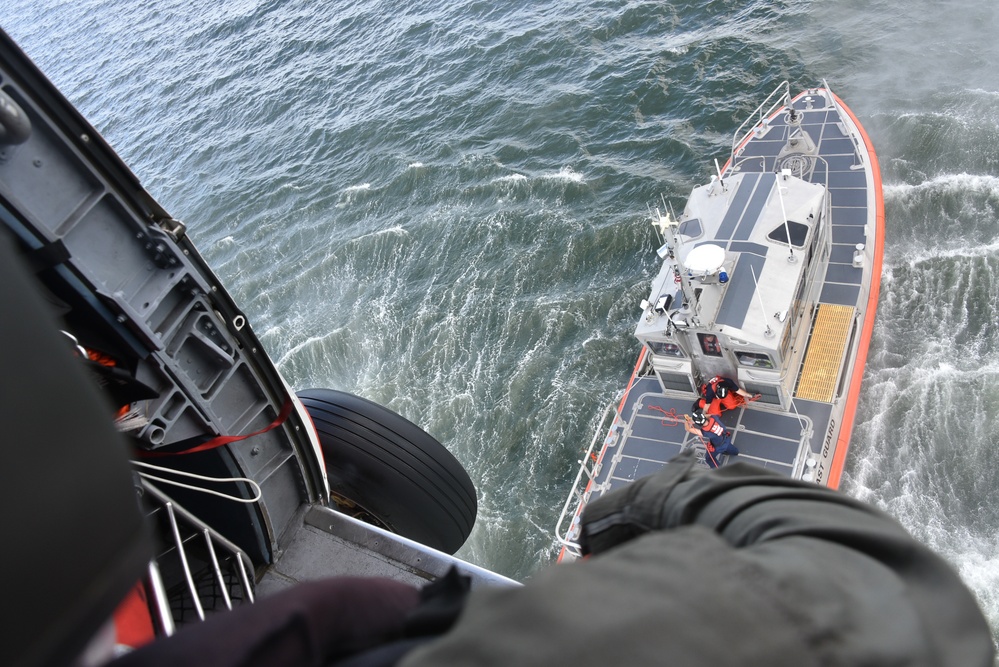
{"type": "Point", "coordinates": [651, 434]}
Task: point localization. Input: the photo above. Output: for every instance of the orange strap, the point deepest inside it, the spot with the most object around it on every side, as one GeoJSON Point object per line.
{"type": "Point", "coordinates": [101, 358]}
{"type": "Point", "coordinates": [132, 622]}
{"type": "Point", "coordinates": [221, 440]}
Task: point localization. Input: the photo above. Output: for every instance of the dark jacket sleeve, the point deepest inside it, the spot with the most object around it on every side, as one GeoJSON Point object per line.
{"type": "Point", "coordinates": [736, 566]}
{"type": "Point", "coordinates": [308, 625]}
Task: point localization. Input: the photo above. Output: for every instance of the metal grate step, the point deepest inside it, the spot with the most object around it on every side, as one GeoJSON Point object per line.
{"type": "Point", "coordinates": [824, 356]}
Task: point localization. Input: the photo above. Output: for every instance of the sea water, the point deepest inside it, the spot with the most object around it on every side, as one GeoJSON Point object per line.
{"type": "Point", "coordinates": [443, 207]}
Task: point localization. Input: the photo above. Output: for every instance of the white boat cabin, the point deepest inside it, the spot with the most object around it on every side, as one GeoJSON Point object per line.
{"type": "Point", "coordinates": [741, 274]}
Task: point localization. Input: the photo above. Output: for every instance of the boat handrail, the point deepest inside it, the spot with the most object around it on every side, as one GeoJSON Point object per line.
{"type": "Point", "coordinates": [858, 150]}
{"type": "Point", "coordinates": [762, 112]}
{"type": "Point", "coordinates": [577, 491]}
{"type": "Point", "coordinates": [231, 584]}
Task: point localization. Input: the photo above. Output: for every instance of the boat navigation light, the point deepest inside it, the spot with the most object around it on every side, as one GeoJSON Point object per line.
{"type": "Point", "coordinates": [644, 304]}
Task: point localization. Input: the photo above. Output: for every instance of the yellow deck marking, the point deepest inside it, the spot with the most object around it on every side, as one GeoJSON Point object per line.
{"type": "Point", "coordinates": [825, 353]}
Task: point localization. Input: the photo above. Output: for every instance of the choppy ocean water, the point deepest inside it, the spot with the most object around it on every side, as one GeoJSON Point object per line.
{"type": "Point", "coordinates": [442, 207]}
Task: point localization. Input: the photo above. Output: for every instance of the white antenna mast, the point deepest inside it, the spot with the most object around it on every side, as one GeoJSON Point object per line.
{"type": "Point", "coordinates": [668, 226]}
{"type": "Point", "coordinates": [655, 216]}
{"type": "Point", "coordinates": [784, 174]}
{"type": "Point", "coordinates": [756, 284]}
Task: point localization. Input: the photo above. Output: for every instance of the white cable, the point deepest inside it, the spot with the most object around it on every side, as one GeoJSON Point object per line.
{"type": "Point", "coordinates": [192, 475]}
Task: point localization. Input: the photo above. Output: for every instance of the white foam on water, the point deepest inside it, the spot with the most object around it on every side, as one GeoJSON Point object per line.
{"type": "Point", "coordinates": [395, 230]}
{"type": "Point", "coordinates": [962, 182]}
{"type": "Point", "coordinates": [925, 454]}
{"type": "Point", "coordinates": [510, 178]}
{"type": "Point", "coordinates": [567, 174]}
{"type": "Point", "coordinates": [924, 254]}
{"type": "Point", "coordinates": [983, 92]}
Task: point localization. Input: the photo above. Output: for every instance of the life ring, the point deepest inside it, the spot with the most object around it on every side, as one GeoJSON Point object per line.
{"type": "Point", "coordinates": [397, 473]}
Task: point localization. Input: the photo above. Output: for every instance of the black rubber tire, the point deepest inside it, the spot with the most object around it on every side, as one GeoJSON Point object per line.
{"type": "Point", "coordinates": [393, 469]}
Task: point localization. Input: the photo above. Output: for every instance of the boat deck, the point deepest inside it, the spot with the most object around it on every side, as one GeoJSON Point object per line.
{"type": "Point", "coordinates": [842, 171]}
{"type": "Point", "coordinates": [649, 432]}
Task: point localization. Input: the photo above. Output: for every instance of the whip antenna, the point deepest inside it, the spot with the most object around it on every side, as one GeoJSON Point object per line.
{"type": "Point", "coordinates": [769, 332]}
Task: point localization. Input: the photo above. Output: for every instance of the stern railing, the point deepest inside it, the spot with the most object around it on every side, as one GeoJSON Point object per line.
{"type": "Point", "coordinates": [589, 468]}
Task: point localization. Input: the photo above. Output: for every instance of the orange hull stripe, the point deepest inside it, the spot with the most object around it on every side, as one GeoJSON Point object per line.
{"type": "Point", "coordinates": [853, 395]}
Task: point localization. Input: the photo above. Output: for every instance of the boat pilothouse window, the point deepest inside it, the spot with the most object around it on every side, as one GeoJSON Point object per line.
{"type": "Point", "coordinates": [799, 234]}
{"type": "Point", "coordinates": [662, 349]}
{"type": "Point", "coordinates": [754, 359]}
{"type": "Point", "coordinates": [690, 228]}
{"type": "Point", "coordinates": [710, 345]}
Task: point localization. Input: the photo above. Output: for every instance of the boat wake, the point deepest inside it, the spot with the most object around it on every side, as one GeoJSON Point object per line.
{"type": "Point", "coordinates": [924, 442]}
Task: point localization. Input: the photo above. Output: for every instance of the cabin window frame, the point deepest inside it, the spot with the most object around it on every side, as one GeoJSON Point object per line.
{"type": "Point", "coordinates": [792, 225]}
{"type": "Point", "coordinates": [759, 356]}
{"type": "Point", "coordinates": [675, 350]}
{"type": "Point", "coordinates": [704, 344]}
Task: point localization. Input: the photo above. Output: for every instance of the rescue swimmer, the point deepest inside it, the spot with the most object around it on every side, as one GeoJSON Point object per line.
{"type": "Point", "coordinates": [720, 394]}
{"type": "Point", "coordinates": [716, 438]}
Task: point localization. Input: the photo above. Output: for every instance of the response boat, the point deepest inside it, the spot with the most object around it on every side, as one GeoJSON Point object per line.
{"type": "Point", "coordinates": [770, 278]}
{"type": "Point", "coordinates": [110, 315]}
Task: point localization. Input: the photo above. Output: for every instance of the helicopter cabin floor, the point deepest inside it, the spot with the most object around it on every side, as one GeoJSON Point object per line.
{"type": "Point", "coordinates": [321, 542]}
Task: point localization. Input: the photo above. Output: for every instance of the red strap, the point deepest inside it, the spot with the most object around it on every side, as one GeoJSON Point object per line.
{"type": "Point", "coordinates": [226, 439]}
{"type": "Point", "coordinates": [132, 622]}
